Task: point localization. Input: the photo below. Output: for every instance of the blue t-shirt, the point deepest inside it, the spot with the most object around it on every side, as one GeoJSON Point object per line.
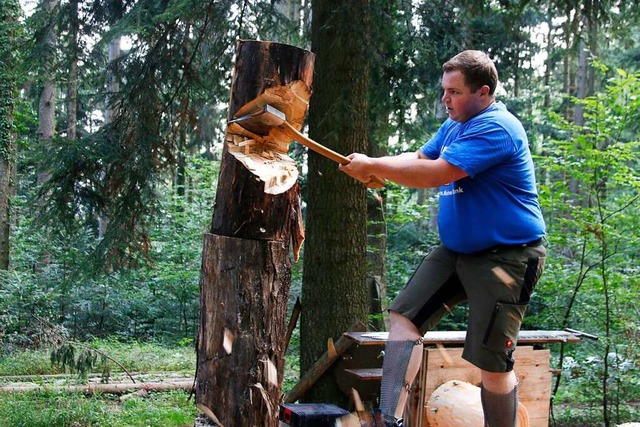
{"type": "Point", "coordinates": [497, 203]}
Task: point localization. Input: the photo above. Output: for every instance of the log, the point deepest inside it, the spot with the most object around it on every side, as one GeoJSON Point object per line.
{"type": "Point", "coordinates": [457, 404]}
{"type": "Point", "coordinates": [114, 388]}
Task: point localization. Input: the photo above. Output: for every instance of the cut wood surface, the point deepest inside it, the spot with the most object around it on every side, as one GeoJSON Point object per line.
{"type": "Point", "coordinates": [458, 404]}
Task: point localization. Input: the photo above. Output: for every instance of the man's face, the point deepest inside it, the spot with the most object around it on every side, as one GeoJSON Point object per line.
{"type": "Point", "coordinates": [461, 104]}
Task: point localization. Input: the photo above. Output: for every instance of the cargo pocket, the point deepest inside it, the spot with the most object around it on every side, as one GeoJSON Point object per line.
{"type": "Point", "coordinates": [502, 333]}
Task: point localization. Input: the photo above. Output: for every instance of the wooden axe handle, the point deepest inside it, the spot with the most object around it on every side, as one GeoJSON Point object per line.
{"type": "Point", "coordinates": [324, 151]}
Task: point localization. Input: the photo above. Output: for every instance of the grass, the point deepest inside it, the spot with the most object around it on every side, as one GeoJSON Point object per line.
{"type": "Point", "coordinates": [50, 409]}
{"type": "Point", "coordinates": [174, 408]}
{"type": "Point", "coordinates": [58, 409]}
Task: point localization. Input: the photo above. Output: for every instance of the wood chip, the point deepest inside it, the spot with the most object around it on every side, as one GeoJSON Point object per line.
{"type": "Point", "coordinates": [350, 420]}
{"type": "Point", "coordinates": [247, 142]}
{"type": "Point", "coordinates": [209, 413]}
{"type": "Point", "coordinates": [503, 276]}
{"type": "Point", "coordinates": [227, 341]}
{"type": "Point", "coordinates": [357, 401]}
{"type": "Point", "coordinates": [331, 349]}
{"type": "Point", "coordinates": [270, 372]}
{"type": "Point", "coordinates": [444, 354]}
{"type": "Point", "coordinates": [265, 397]}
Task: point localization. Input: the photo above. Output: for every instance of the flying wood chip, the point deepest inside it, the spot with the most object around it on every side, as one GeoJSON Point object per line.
{"type": "Point", "coordinates": [270, 372]}
{"type": "Point", "coordinates": [331, 349]}
{"type": "Point", "coordinates": [227, 341]}
{"type": "Point", "coordinates": [503, 276]}
{"type": "Point", "coordinates": [264, 396]}
{"type": "Point", "coordinates": [349, 420]}
{"type": "Point", "coordinates": [444, 354]}
{"type": "Point", "coordinates": [357, 401]}
{"type": "Point", "coordinates": [209, 413]}
{"type": "Point", "coordinates": [358, 418]}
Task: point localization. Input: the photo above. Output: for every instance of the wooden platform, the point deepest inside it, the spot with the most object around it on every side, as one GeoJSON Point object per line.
{"type": "Point", "coordinates": [449, 338]}
{"type": "Point", "coordinates": [360, 367]}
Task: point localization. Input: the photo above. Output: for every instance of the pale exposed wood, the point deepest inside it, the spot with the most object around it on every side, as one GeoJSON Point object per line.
{"type": "Point", "coordinates": [267, 159]}
{"type": "Point", "coordinates": [292, 99]}
{"type": "Point", "coordinates": [277, 170]}
{"type": "Point", "coordinates": [458, 404]}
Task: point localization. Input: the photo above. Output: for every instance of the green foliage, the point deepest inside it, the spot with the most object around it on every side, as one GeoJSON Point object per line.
{"type": "Point", "coordinates": [590, 194]}
{"type": "Point", "coordinates": [174, 84]}
{"type": "Point", "coordinates": [36, 296]}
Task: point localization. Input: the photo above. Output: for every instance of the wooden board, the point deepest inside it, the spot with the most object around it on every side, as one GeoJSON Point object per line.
{"type": "Point", "coordinates": [532, 369]}
{"type": "Point", "coordinates": [452, 338]}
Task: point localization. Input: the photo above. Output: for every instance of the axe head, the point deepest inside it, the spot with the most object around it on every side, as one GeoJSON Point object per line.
{"type": "Point", "coordinates": [261, 120]}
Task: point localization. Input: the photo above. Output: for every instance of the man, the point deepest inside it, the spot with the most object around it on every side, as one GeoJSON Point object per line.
{"type": "Point", "coordinates": [491, 228]}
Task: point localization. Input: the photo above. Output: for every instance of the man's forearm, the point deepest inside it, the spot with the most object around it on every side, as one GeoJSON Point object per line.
{"type": "Point", "coordinates": [413, 171]}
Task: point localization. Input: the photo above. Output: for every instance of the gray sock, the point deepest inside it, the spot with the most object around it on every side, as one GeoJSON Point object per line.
{"type": "Point", "coordinates": [397, 355]}
{"type": "Point", "coordinates": [500, 410]}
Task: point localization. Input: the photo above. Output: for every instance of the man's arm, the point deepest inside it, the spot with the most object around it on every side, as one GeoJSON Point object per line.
{"type": "Point", "coordinates": [409, 169]}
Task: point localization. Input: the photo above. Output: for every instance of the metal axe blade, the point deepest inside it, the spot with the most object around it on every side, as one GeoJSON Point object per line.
{"type": "Point", "coordinates": [261, 120]}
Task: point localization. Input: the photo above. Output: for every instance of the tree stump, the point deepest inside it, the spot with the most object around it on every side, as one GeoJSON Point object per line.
{"type": "Point", "coordinates": [246, 265]}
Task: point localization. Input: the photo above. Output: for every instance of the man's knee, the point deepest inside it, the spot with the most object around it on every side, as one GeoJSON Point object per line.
{"type": "Point", "coordinates": [401, 328]}
{"type": "Point", "coordinates": [498, 382]}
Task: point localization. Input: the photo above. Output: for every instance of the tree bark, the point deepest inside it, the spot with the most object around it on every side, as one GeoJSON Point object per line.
{"type": "Point", "coordinates": [246, 265]}
{"type": "Point", "coordinates": [47, 103]}
{"type": "Point", "coordinates": [9, 25]}
{"type": "Point", "coordinates": [334, 291]}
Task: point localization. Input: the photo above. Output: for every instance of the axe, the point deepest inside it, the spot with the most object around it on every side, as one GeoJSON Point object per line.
{"type": "Point", "coordinates": [263, 119]}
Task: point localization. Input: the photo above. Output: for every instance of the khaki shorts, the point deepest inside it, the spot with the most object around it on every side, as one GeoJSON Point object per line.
{"type": "Point", "coordinates": [497, 285]}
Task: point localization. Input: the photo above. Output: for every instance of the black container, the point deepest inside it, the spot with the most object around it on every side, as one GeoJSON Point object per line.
{"type": "Point", "coordinates": [310, 414]}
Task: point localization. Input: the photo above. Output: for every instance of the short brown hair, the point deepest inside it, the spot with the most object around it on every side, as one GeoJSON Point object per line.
{"type": "Point", "coordinates": [476, 67]}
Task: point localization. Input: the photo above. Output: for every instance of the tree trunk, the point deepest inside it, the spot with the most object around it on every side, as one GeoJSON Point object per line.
{"type": "Point", "coordinates": [334, 292]}
{"type": "Point", "coordinates": [47, 103]}
{"type": "Point", "coordinates": [113, 87]}
{"type": "Point", "coordinates": [246, 265]}
{"type": "Point", "coordinates": [9, 24]}
{"type": "Point", "coordinates": [72, 89]}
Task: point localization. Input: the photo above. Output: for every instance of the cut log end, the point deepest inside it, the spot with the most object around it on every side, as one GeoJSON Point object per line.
{"type": "Point", "coordinates": [457, 404]}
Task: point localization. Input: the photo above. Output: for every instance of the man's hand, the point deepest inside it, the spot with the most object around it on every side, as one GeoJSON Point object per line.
{"type": "Point", "coordinates": [359, 167]}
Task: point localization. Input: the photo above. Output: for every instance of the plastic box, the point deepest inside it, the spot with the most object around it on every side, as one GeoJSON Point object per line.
{"type": "Point", "coordinates": [310, 414]}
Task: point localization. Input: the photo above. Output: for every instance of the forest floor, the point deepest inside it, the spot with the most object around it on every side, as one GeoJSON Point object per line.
{"type": "Point", "coordinates": [155, 391]}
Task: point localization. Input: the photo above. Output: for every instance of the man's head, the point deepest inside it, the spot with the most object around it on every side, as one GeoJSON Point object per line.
{"type": "Point", "coordinates": [476, 67]}
{"type": "Point", "coordinates": [469, 83]}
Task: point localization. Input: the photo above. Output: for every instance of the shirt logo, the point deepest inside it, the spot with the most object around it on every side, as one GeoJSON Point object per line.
{"type": "Point", "coordinates": [451, 192]}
